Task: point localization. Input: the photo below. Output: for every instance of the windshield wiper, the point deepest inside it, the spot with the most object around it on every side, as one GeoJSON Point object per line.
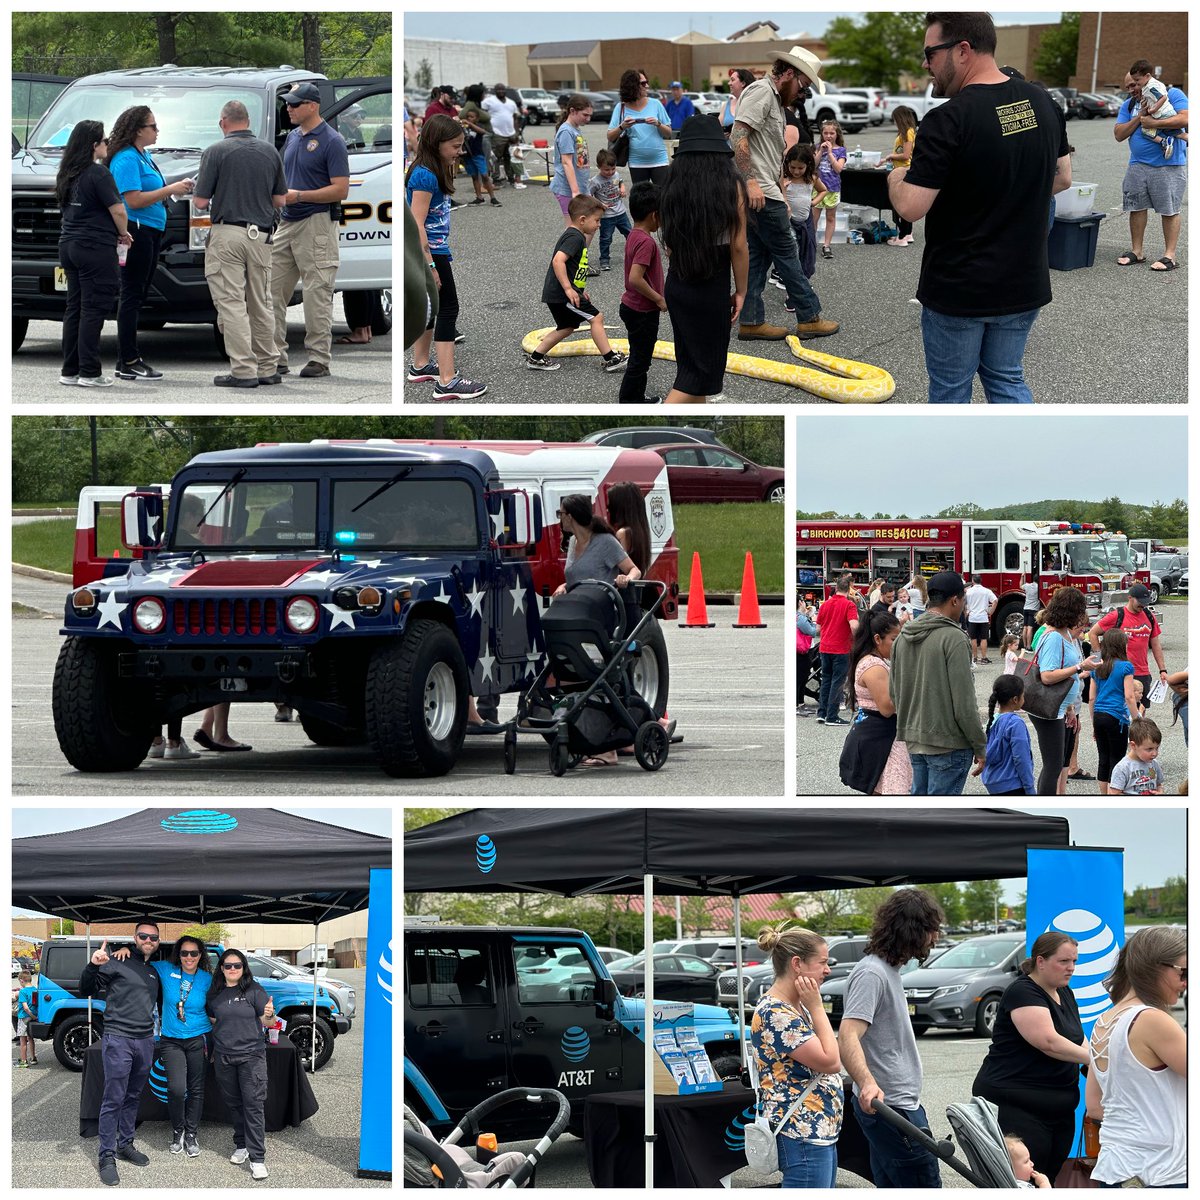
{"type": "Point", "coordinates": [237, 476]}
{"type": "Point", "coordinates": [178, 149]}
{"type": "Point", "coordinates": [383, 487]}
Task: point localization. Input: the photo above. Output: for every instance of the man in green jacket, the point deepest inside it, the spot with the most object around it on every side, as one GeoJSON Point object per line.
{"type": "Point", "coordinates": [932, 689]}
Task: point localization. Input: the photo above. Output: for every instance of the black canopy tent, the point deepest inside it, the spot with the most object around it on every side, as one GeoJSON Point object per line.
{"type": "Point", "coordinates": [711, 851]}
{"type": "Point", "coordinates": [200, 865]}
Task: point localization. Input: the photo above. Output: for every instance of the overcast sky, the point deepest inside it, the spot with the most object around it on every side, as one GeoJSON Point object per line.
{"type": "Point", "coordinates": [571, 25]}
{"type": "Point", "coordinates": [32, 822]}
{"type": "Point", "coordinates": [916, 464]}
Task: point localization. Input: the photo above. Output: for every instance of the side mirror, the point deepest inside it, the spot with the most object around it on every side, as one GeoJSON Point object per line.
{"type": "Point", "coordinates": [516, 523]}
{"type": "Point", "coordinates": [606, 999]}
{"type": "Point", "coordinates": [142, 520]}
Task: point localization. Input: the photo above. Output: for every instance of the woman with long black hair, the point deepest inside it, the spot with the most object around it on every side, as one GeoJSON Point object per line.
{"type": "Point", "coordinates": [93, 222]}
{"type": "Point", "coordinates": [702, 211]}
{"type": "Point", "coordinates": [144, 192]}
{"type": "Point", "coordinates": [240, 1009]}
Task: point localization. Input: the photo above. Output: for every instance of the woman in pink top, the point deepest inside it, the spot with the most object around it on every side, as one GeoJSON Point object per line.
{"type": "Point", "coordinates": [871, 745]}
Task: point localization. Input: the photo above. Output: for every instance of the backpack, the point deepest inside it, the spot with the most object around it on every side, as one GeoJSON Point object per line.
{"type": "Point", "coordinates": [878, 232]}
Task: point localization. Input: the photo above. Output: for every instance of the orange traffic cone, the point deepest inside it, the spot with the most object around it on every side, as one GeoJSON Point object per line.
{"type": "Point", "coordinates": [748, 615]}
{"type": "Point", "coordinates": [697, 606]}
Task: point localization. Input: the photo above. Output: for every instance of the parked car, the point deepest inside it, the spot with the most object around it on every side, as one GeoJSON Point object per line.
{"type": "Point", "coordinates": [651, 435]}
{"type": "Point", "coordinates": [676, 977]}
{"type": "Point", "coordinates": [714, 475]}
{"type": "Point", "coordinates": [707, 102]}
{"type": "Point", "coordinates": [1067, 100]}
{"type": "Point", "coordinates": [844, 954]}
{"type": "Point", "coordinates": [279, 968]}
{"type": "Point", "coordinates": [700, 947]}
{"type": "Point", "coordinates": [874, 98]}
{"type": "Point", "coordinates": [416, 100]}
{"type": "Point", "coordinates": [920, 102]}
{"type": "Point", "coordinates": [1168, 568]}
{"type": "Point", "coordinates": [550, 974]}
{"type": "Point", "coordinates": [1183, 582]}
{"type": "Point", "coordinates": [602, 104]}
{"type": "Point", "coordinates": [849, 110]}
{"type": "Point", "coordinates": [536, 104]}
{"type": "Point", "coordinates": [961, 989]}
{"type": "Point", "coordinates": [725, 954]}
{"type": "Point", "coordinates": [16, 968]}
{"type": "Point", "coordinates": [1091, 106]}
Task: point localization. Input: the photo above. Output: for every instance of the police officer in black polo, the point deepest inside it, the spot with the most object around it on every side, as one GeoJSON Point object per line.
{"type": "Point", "coordinates": [241, 183]}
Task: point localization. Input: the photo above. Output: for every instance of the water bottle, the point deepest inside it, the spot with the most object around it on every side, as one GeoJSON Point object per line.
{"type": "Point", "coordinates": [857, 155]}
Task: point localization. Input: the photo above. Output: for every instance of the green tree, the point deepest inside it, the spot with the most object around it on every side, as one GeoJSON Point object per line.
{"type": "Point", "coordinates": [876, 49]}
{"type": "Point", "coordinates": [949, 896]}
{"type": "Point", "coordinates": [1113, 512]}
{"type": "Point", "coordinates": [1058, 51]}
{"type": "Point", "coordinates": [210, 934]}
{"type": "Point", "coordinates": [424, 75]}
{"type": "Point", "coordinates": [868, 899]}
{"type": "Point", "coordinates": [826, 910]}
{"type": "Point", "coordinates": [981, 898]}
{"type": "Point", "coordinates": [966, 511]}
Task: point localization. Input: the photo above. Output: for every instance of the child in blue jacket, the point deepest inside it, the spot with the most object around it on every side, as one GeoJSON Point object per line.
{"type": "Point", "coordinates": [1008, 769]}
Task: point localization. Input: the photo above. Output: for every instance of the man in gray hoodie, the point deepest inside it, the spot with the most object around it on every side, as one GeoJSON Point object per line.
{"type": "Point", "coordinates": [932, 689]}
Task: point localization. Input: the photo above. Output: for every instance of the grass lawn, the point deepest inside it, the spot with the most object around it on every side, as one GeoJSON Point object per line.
{"type": "Point", "coordinates": [722, 533]}
{"type": "Point", "coordinates": [50, 544]}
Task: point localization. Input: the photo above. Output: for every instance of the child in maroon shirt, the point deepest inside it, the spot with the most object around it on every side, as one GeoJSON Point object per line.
{"type": "Point", "coordinates": [642, 300]}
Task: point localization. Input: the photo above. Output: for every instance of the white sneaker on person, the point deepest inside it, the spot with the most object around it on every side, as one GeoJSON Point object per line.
{"type": "Point", "coordinates": [69, 380]}
{"type": "Point", "coordinates": [95, 381]}
{"type": "Point", "coordinates": [520, 186]}
{"type": "Point", "coordinates": [157, 749]}
{"type": "Point", "coordinates": [183, 750]}
{"type": "Point", "coordinates": [258, 1170]}
{"type": "Point", "coordinates": [239, 1156]}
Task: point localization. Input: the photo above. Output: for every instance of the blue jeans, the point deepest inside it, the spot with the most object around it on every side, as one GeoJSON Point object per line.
{"type": "Point", "coordinates": [833, 676]}
{"type": "Point", "coordinates": [958, 348]}
{"type": "Point", "coordinates": [805, 1165]}
{"type": "Point", "coordinates": [127, 1064]}
{"type": "Point", "coordinates": [940, 774]}
{"type": "Point", "coordinates": [897, 1162]}
{"type": "Point", "coordinates": [608, 225]}
{"type": "Point", "coordinates": [770, 238]}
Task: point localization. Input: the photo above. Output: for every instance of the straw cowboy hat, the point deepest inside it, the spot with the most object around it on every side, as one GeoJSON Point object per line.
{"type": "Point", "coordinates": [804, 61]}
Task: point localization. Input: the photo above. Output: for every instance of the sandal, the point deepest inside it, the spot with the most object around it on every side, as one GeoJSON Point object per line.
{"type": "Point", "coordinates": [1130, 259]}
{"type": "Point", "coordinates": [1081, 774]}
{"type": "Point", "coordinates": [349, 341]}
{"type": "Point", "coordinates": [591, 763]}
{"type": "Point", "coordinates": [1164, 264]}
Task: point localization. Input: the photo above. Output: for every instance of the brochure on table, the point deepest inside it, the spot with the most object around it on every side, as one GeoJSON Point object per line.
{"type": "Point", "coordinates": [682, 1067]}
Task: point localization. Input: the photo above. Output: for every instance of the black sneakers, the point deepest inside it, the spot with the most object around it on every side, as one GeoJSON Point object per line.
{"type": "Point", "coordinates": [130, 1153]}
{"type": "Point", "coordinates": [232, 381]}
{"type": "Point", "coordinates": [108, 1171]}
{"type": "Point", "coordinates": [140, 370]}
{"type": "Point", "coordinates": [177, 1141]}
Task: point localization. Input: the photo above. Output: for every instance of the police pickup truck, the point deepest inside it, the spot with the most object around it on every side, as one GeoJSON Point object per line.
{"type": "Point", "coordinates": [62, 1014]}
{"type": "Point", "coordinates": [371, 585]}
{"type": "Point", "coordinates": [187, 102]}
{"type": "Point", "coordinates": [488, 1008]}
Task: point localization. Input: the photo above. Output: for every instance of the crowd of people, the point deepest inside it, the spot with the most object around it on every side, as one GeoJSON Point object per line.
{"type": "Point", "coordinates": [981, 173]}
{"type": "Point", "coordinates": [1135, 1059]}
{"type": "Point", "coordinates": [914, 723]}
{"type": "Point", "coordinates": [273, 228]}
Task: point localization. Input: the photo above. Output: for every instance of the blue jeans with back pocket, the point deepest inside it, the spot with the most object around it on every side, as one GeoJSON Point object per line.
{"type": "Point", "coordinates": [805, 1165]}
{"type": "Point", "coordinates": [959, 348]}
{"type": "Point", "coordinates": [896, 1160]}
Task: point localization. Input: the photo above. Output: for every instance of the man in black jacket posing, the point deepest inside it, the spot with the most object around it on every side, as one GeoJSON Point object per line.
{"type": "Point", "coordinates": [132, 999]}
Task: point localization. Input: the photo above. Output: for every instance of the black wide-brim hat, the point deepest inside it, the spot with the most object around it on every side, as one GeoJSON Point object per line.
{"type": "Point", "coordinates": [702, 134]}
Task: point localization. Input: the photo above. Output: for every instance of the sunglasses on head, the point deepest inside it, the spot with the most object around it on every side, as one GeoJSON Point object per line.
{"type": "Point", "coordinates": [147, 937]}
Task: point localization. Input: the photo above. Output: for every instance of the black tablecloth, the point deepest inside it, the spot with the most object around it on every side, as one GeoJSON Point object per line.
{"type": "Point", "coordinates": [697, 1142]}
{"type": "Point", "coordinates": [867, 186]}
{"type": "Point", "coordinates": [290, 1098]}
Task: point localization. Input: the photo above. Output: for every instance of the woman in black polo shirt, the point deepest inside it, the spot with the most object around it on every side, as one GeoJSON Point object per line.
{"type": "Point", "coordinates": [1032, 1069]}
{"type": "Point", "coordinates": [93, 222]}
{"type": "Point", "coordinates": [240, 1009]}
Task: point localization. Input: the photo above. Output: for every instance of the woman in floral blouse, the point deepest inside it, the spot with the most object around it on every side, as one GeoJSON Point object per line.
{"type": "Point", "coordinates": [793, 1045]}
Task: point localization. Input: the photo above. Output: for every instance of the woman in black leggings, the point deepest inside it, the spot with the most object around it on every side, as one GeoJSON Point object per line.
{"type": "Point", "coordinates": [1059, 657]}
{"type": "Point", "coordinates": [1114, 703]}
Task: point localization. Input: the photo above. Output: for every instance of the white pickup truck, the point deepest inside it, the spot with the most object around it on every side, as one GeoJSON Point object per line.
{"type": "Point", "coordinates": [919, 102]}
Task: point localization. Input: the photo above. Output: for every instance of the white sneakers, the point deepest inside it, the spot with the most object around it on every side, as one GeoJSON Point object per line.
{"type": "Point", "coordinates": [239, 1156]}
{"type": "Point", "coordinates": [258, 1170]}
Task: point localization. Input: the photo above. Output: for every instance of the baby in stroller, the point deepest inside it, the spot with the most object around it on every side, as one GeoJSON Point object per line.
{"type": "Point", "coordinates": [1022, 1164]}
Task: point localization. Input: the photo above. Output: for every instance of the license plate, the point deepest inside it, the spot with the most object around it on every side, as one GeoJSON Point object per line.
{"type": "Point", "coordinates": [912, 1010]}
{"type": "Point", "coordinates": [827, 1005]}
{"type": "Point", "coordinates": [233, 685]}
{"type": "Point", "coordinates": [60, 279]}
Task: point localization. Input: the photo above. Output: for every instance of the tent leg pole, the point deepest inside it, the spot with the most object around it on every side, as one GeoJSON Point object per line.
{"type": "Point", "coordinates": [737, 935]}
{"type": "Point", "coordinates": [312, 1058]}
{"type": "Point", "coordinates": [648, 1024]}
{"type": "Point", "coordinates": [88, 952]}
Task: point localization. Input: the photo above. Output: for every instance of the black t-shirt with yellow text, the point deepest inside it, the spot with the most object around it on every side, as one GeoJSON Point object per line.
{"type": "Point", "coordinates": [574, 245]}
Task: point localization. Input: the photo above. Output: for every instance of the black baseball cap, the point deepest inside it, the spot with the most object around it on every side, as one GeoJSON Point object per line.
{"type": "Point", "coordinates": [1140, 592]}
{"type": "Point", "coordinates": [303, 93]}
{"type": "Point", "coordinates": [945, 583]}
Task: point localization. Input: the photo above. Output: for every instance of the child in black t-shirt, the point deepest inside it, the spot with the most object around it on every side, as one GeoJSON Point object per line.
{"type": "Point", "coordinates": [565, 289]}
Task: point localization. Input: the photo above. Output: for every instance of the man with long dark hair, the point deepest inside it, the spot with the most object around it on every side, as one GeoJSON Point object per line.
{"type": "Point", "coordinates": [877, 1043]}
{"type": "Point", "coordinates": [757, 140]}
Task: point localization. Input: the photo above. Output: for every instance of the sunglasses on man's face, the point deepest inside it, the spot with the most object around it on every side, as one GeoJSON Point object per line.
{"type": "Point", "coordinates": [147, 937]}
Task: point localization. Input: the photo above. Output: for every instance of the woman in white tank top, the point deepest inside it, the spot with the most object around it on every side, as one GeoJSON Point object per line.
{"type": "Point", "coordinates": [1137, 1085]}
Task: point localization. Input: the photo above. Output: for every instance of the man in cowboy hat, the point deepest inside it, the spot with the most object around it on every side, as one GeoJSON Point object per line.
{"type": "Point", "coordinates": [984, 167]}
{"type": "Point", "coordinates": [757, 141]}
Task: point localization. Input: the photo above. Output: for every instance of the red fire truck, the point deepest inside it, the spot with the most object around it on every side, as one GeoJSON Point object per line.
{"type": "Point", "coordinates": [1004, 554]}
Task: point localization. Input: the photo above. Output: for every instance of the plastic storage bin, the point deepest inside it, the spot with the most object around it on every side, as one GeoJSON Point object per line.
{"type": "Point", "coordinates": [1072, 242]}
{"type": "Point", "coordinates": [1079, 200]}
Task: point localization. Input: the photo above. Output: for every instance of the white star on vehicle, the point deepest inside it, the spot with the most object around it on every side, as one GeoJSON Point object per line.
{"type": "Point", "coordinates": [497, 525]}
{"type": "Point", "coordinates": [110, 611]}
{"type": "Point", "coordinates": [323, 576]}
{"type": "Point", "coordinates": [486, 663]}
{"type": "Point", "coordinates": [533, 657]}
{"type": "Point", "coordinates": [475, 598]}
{"type": "Point", "coordinates": [152, 525]}
{"type": "Point", "coordinates": [339, 616]}
{"type": "Point", "coordinates": [518, 595]}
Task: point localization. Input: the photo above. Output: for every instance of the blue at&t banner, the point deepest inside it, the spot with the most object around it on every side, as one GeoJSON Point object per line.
{"type": "Point", "coordinates": [375, 1138]}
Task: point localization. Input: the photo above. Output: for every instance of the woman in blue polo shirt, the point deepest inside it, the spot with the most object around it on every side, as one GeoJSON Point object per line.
{"type": "Point", "coordinates": [145, 192]}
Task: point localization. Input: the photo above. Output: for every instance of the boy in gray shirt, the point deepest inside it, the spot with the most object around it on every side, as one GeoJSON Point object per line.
{"type": "Point", "coordinates": [607, 187]}
{"type": "Point", "coordinates": [878, 1047]}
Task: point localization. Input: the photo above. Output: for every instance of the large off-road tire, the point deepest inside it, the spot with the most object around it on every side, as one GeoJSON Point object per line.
{"type": "Point", "coordinates": [323, 733]}
{"type": "Point", "coordinates": [416, 693]}
{"type": "Point", "coordinates": [300, 1027]}
{"type": "Point", "coordinates": [101, 724]}
{"type": "Point", "coordinates": [726, 1067]}
{"type": "Point", "coordinates": [651, 670]}
{"type": "Point", "coordinates": [71, 1039]}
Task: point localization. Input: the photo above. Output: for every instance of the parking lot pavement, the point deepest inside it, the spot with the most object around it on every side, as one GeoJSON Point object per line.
{"type": "Point", "coordinates": [1080, 350]}
{"type": "Point", "coordinates": [47, 1151]}
{"type": "Point", "coordinates": [818, 746]}
{"type": "Point", "coordinates": [188, 358]}
{"type": "Point", "coordinates": [733, 741]}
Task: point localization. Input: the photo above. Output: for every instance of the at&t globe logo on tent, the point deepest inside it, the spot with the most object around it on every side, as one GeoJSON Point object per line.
{"type": "Point", "coordinates": [384, 975]}
{"type": "Point", "coordinates": [1098, 950]}
{"type": "Point", "coordinates": [485, 853]}
{"type": "Point", "coordinates": [199, 820]}
{"type": "Point", "coordinates": [576, 1044]}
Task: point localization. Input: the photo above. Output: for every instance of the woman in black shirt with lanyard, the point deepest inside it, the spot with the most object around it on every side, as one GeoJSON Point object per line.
{"type": "Point", "coordinates": [240, 1009]}
{"type": "Point", "coordinates": [1032, 1069]}
{"type": "Point", "coordinates": [93, 222]}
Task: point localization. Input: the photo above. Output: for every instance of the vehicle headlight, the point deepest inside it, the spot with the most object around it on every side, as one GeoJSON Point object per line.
{"type": "Point", "coordinates": [149, 615]}
{"type": "Point", "coordinates": [952, 990]}
{"type": "Point", "coordinates": [301, 615]}
{"type": "Point", "coordinates": [84, 602]}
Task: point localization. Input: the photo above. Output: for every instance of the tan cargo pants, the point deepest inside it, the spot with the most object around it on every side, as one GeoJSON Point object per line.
{"type": "Point", "coordinates": [237, 269]}
{"type": "Point", "coordinates": [305, 252]}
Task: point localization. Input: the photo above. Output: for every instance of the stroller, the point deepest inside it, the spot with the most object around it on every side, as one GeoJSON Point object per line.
{"type": "Point", "coordinates": [429, 1163]}
{"type": "Point", "coordinates": [592, 706]}
{"type": "Point", "coordinates": [979, 1135]}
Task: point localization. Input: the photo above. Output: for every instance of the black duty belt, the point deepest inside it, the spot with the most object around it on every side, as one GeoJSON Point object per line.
{"type": "Point", "coordinates": [249, 225]}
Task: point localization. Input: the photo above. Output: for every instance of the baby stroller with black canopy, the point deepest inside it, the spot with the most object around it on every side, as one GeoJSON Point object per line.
{"type": "Point", "coordinates": [583, 701]}
{"type": "Point", "coordinates": [456, 1167]}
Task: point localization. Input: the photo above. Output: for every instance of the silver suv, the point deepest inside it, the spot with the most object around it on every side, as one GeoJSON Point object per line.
{"type": "Point", "coordinates": [279, 968]}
